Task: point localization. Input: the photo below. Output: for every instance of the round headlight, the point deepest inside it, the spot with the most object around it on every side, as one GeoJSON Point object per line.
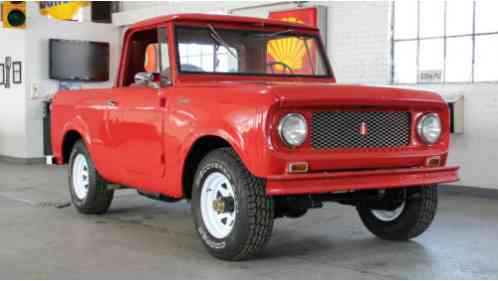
{"type": "Point", "coordinates": [429, 128]}
{"type": "Point", "coordinates": [293, 129]}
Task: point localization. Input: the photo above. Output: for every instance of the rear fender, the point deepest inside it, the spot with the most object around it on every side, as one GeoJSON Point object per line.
{"type": "Point", "coordinates": [78, 125]}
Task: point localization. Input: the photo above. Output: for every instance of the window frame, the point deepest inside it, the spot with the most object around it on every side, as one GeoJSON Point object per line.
{"type": "Point", "coordinates": [162, 38]}
{"type": "Point", "coordinates": [418, 39]}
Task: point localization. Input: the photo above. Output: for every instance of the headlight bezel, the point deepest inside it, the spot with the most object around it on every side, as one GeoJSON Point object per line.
{"type": "Point", "coordinates": [420, 128]}
{"type": "Point", "coordinates": [281, 128]}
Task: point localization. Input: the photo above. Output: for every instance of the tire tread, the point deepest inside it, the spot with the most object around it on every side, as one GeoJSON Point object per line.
{"type": "Point", "coordinates": [260, 211]}
{"type": "Point", "coordinates": [101, 199]}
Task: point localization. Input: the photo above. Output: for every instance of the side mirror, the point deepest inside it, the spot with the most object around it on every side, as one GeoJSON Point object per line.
{"type": "Point", "coordinates": [146, 79]}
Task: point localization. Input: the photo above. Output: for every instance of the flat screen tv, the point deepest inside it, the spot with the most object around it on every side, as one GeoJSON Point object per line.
{"type": "Point", "coordinates": [74, 60]}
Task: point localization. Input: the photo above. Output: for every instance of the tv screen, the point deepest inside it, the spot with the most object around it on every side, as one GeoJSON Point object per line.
{"type": "Point", "coordinates": [79, 60]}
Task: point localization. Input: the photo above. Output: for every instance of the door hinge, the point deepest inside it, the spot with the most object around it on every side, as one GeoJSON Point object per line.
{"type": "Point", "coordinates": [162, 102]}
{"type": "Point", "coordinates": [162, 159]}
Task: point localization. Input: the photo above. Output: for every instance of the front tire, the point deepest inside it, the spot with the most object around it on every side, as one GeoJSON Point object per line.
{"type": "Point", "coordinates": [89, 193]}
{"type": "Point", "coordinates": [232, 214]}
{"type": "Point", "coordinates": [411, 217]}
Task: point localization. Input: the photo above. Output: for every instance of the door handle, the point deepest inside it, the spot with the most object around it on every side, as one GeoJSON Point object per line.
{"type": "Point", "coordinates": [111, 102]}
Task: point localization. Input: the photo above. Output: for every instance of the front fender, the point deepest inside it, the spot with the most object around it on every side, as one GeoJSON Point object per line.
{"type": "Point", "coordinates": [236, 141]}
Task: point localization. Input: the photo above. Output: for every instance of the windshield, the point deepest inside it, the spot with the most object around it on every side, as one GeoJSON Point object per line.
{"type": "Point", "coordinates": [249, 52]}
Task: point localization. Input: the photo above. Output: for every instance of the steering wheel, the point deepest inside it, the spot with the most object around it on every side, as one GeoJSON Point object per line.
{"type": "Point", "coordinates": [286, 67]}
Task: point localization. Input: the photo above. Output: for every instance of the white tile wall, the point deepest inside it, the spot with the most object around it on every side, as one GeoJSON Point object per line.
{"type": "Point", "coordinates": [359, 41]}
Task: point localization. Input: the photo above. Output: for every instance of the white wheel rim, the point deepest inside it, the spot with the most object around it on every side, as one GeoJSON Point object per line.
{"type": "Point", "coordinates": [80, 176]}
{"type": "Point", "coordinates": [387, 216]}
{"type": "Point", "coordinates": [215, 187]}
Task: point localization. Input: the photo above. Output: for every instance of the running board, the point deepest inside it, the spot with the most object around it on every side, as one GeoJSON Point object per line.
{"type": "Point", "coordinates": [158, 196]}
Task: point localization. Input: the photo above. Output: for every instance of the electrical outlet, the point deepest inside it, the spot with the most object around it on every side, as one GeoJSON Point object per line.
{"type": "Point", "coordinates": [35, 90]}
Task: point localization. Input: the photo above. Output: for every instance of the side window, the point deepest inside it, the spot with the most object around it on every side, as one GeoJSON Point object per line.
{"type": "Point", "coordinates": [147, 52]}
{"type": "Point", "coordinates": [140, 55]}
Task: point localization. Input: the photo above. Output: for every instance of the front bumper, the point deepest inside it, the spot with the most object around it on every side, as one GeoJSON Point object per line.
{"type": "Point", "coordinates": [357, 180]}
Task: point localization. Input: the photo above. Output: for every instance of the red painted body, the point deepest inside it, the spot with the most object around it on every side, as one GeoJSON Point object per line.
{"type": "Point", "coordinates": [143, 141]}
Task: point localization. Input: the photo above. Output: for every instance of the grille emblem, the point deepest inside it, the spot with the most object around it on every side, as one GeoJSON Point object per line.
{"type": "Point", "coordinates": [363, 129]}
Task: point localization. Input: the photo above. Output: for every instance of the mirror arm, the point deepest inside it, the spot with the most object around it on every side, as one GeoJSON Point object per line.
{"type": "Point", "coordinates": [165, 80]}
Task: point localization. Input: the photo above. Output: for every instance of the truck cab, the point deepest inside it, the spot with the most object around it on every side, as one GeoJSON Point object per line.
{"type": "Point", "coordinates": [243, 117]}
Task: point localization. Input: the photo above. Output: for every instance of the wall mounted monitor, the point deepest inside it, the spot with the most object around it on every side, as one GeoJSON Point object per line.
{"type": "Point", "coordinates": [73, 60]}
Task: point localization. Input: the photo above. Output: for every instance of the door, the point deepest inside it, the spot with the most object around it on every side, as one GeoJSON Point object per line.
{"type": "Point", "coordinates": [137, 135]}
{"type": "Point", "coordinates": [137, 115]}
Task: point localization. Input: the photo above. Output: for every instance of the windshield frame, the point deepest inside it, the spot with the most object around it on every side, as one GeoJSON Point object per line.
{"type": "Point", "coordinates": [316, 37]}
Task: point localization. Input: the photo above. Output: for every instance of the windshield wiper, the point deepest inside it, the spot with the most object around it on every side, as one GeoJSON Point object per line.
{"type": "Point", "coordinates": [216, 37]}
{"type": "Point", "coordinates": [274, 34]}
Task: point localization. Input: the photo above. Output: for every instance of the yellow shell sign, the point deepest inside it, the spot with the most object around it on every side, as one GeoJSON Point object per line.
{"type": "Point", "coordinates": [290, 51]}
{"type": "Point", "coordinates": [62, 10]}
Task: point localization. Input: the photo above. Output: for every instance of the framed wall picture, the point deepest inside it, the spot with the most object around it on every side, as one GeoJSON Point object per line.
{"type": "Point", "coordinates": [2, 74]}
{"type": "Point", "coordinates": [17, 72]}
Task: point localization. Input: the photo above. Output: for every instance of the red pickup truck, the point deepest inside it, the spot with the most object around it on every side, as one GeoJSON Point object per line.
{"type": "Point", "coordinates": [243, 118]}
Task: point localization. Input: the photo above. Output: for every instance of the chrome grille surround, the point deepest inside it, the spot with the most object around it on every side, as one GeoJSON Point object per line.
{"type": "Point", "coordinates": [344, 129]}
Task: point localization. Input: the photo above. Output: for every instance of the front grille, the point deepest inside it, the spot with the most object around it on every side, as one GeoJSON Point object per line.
{"type": "Point", "coordinates": [349, 129]}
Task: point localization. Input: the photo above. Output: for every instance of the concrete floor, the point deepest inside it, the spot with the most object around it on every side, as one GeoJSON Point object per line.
{"type": "Point", "coordinates": [139, 238]}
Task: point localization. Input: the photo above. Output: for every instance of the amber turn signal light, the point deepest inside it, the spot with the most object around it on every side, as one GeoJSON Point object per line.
{"type": "Point", "coordinates": [433, 162]}
{"type": "Point", "coordinates": [298, 168]}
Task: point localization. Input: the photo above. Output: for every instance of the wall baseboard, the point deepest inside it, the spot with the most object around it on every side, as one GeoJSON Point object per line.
{"type": "Point", "coordinates": [469, 191]}
{"type": "Point", "coordinates": [26, 161]}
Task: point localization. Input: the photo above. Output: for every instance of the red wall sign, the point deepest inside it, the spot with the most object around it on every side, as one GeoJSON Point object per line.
{"type": "Point", "coordinates": [306, 16]}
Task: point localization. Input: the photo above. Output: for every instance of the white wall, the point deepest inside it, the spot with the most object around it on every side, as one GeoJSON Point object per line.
{"type": "Point", "coordinates": [20, 112]}
{"type": "Point", "coordinates": [476, 149]}
{"type": "Point", "coordinates": [134, 11]}
{"type": "Point", "coordinates": [12, 101]}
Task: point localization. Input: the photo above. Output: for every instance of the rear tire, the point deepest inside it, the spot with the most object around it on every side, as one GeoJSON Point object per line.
{"type": "Point", "coordinates": [89, 193]}
{"type": "Point", "coordinates": [409, 220]}
{"type": "Point", "coordinates": [232, 214]}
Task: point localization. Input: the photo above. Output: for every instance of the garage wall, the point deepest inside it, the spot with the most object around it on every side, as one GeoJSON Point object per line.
{"type": "Point", "coordinates": [21, 130]}
{"type": "Point", "coordinates": [12, 102]}
{"type": "Point", "coordinates": [133, 11]}
{"type": "Point", "coordinates": [476, 149]}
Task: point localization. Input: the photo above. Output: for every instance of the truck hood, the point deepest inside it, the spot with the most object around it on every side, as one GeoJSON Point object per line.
{"type": "Point", "coordinates": [327, 94]}
{"type": "Point", "coordinates": [318, 94]}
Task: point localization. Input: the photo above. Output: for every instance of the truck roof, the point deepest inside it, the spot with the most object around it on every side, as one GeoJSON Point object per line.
{"type": "Point", "coordinates": [219, 18]}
